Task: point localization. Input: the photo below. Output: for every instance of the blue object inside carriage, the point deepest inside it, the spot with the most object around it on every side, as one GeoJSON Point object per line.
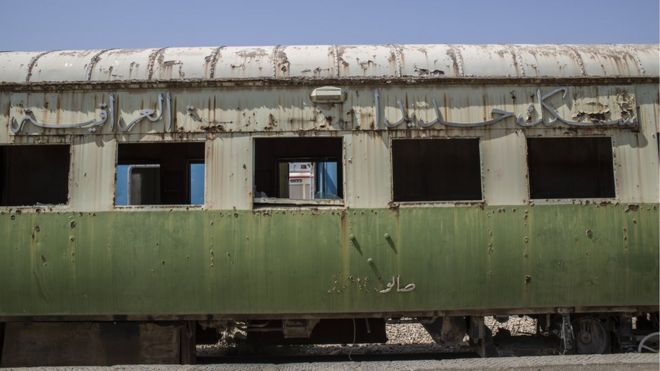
{"type": "Point", "coordinates": [126, 172]}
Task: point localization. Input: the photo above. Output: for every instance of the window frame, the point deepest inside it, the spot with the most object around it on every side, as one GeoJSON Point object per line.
{"type": "Point", "coordinates": [259, 203]}
{"type": "Point", "coordinates": [437, 203]}
{"type": "Point", "coordinates": [569, 200]}
{"type": "Point", "coordinates": [148, 163]}
{"type": "Point", "coordinates": [50, 207]}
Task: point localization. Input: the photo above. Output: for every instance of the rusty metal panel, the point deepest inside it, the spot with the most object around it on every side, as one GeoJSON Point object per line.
{"type": "Point", "coordinates": [184, 63]}
{"type": "Point", "coordinates": [15, 66]}
{"type": "Point", "coordinates": [485, 60]}
{"type": "Point", "coordinates": [433, 60]}
{"type": "Point", "coordinates": [613, 61]}
{"type": "Point", "coordinates": [250, 110]}
{"type": "Point", "coordinates": [549, 60]}
{"type": "Point", "coordinates": [368, 164]}
{"type": "Point", "coordinates": [65, 65]}
{"type": "Point", "coordinates": [636, 154]}
{"type": "Point", "coordinates": [124, 64]}
{"type": "Point", "coordinates": [245, 62]}
{"type": "Point", "coordinates": [330, 61]}
{"type": "Point", "coordinates": [229, 173]}
{"type": "Point", "coordinates": [5, 105]}
{"type": "Point", "coordinates": [141, 111]}
{"type": "Point", "coordinates": [504, 168]}
{"type": "Point", "coordinates": [317, 61]}
{"type": "Point", "coordinates": [92, 174]}
{"type": "Point", "coordinates": [251, 263]}
{"type": "Point", "coordinates": [58, 109]}
{"type": "Point", "coordinates": [368, 61]}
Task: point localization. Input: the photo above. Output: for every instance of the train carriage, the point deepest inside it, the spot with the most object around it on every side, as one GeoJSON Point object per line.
{"type": "Point", "coordinates": [151, 198]}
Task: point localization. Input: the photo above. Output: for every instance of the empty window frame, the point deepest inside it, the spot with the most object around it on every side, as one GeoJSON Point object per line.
{"type": "Point", "coordinates": [160, 174]}
{"type": "Point", "coordinates": [570, 168]}
{"type": "Point", "coordinates": [298, 170]}
{"type": "Point", "coordinates": [34, 175]}
{"type": "Point", "coordinates": [436, 170]}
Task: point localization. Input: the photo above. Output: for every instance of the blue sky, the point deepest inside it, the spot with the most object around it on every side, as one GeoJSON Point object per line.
{"type": "Point", "coordinates": [86, 24]}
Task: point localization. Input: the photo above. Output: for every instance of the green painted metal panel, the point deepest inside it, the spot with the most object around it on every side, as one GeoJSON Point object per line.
{"type": "Point", "coordinates": [167, 262]}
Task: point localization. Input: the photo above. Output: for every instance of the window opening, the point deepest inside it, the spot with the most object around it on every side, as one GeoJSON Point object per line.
{"type": "Point", "coordinates": [570, 168]}
{"type": "Point", "coordinates": [436, 170]}
{"type": "Point", "coordinates": [298, 170]}
{"type": "Point", "coordinates": [33, 175]}
{"type": "Point", "coordinates": [160, 174]}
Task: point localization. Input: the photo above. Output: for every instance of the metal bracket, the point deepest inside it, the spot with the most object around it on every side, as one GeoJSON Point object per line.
{"type": "Point", "coordinates": [164, 99]}
{"type": "Point", "coordinates": [566, 334]}
{"type": "Point", "coordinates": [107, 113]}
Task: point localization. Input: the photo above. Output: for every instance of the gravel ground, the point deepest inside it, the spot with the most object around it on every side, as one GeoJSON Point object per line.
{"type": "Point", "coordinates": [402, 338]}
{"type": "Point", "coordinates": [517, 325]}
{"type": "Point", "coordinates": [407, 333]}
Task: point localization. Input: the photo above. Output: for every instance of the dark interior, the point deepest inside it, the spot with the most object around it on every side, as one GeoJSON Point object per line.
{"type": "Point", "coordinates": [34, 174]}
{"type": "Point", "coordinates": [269, 152]}
{"type": "Point", "coordinates": [570, 168]}
{"type": "Point", "coordinates": [174, 160]}
{"type": "Point", "coordinates": [436, 169]}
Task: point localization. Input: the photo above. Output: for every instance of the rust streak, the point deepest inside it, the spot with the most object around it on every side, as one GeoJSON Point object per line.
{"type": "Point", "coordinates": [33, 62]}
{"type": "Point", "coordinates": [214, 61]}
{"type": "Point", "coordinates": [92, 63]}
{"type": "Point", "coordinates": [152, 61]}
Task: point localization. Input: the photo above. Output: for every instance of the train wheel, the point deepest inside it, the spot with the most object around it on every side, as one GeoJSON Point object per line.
{"type": "Point", "coordinates": [650, 343]}
{"type": "Point", "coordinates": [591, 337]}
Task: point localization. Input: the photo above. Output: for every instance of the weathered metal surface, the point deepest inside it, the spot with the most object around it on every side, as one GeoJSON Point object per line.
{"type": "Point", "coordinates": [397, 107]}
{"type": "Point", "coordinates": [333, 261]}
{"type": "Point", "coordinates": [229, 173]}
{"type": "Point", "coordinates": [92, 180]}
{"type": "Point", "coordinates": [332, 61]}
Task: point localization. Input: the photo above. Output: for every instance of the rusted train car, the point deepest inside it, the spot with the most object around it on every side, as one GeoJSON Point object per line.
{"type": "Point", "coordinates": [146, 196]}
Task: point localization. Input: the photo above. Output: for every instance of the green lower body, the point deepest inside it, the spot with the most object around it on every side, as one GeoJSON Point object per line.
{"type": "Point", "coordinates": [288, 262]}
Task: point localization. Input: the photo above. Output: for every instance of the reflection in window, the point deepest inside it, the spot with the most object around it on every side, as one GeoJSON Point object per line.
{"type": "Point", "coordinates": [296, 170]}
{"type": "Point", "coordinates": [308, 180]}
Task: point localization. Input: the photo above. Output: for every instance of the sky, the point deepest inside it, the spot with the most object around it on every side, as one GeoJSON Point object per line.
{"type": "Point", "coordinates": [91, 24]}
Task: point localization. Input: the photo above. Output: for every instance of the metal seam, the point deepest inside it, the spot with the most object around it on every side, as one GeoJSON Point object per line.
{"type": "Point", "coordinates": [635, 57]}
{"type": "Point", "coordinates": [453, 54]}
{"type": "Point", "coordinates": [92, 63]}
{"type": "Point", "coordinates": [579, 61]}
{"type": "Point", "coordinates": [335, 51]}
{"type": "Point", "coordinates": [276, 49]}
{"type": "Point", "coordinates": [152, 62]}
{"type": "Point", "coordinates": [33, 62]}
{"type": "Point", "coordinates": [214, 61]}
{"type": "Point", "coordinates": [517, 62]}
{"type": "Point", "coordinates": [398, 60]}
{"type": "Point", "coordinates": [289, 81]}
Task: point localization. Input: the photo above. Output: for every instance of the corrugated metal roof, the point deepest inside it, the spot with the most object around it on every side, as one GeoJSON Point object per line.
{"type": "Point", "coordinates": [332, 62]}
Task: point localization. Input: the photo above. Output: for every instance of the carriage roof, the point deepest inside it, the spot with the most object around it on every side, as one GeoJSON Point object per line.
{"type": "Point", "coordinates": [327, 62]}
